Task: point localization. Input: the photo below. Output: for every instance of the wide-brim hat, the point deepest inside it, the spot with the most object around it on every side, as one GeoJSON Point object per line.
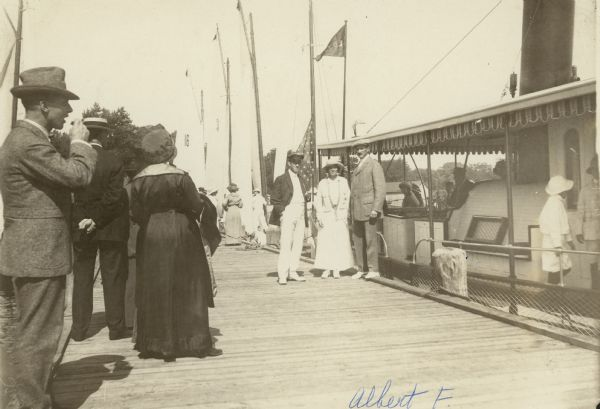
{"type": "Point", "coordinates": [295, 154]}
{"type": "Point", "coordinates": [156, 144]}
{"type": "Point", "coordinates": [233, 187]}
{"type": "Point", "coordinates": [333, 163]}
{"type": "Point", "coordinates": [593, 168]}
{"type": "Point", "coordinates": [43, 80]}
{"type": "Point", "coordinates": [558, 184]}
{"type": "Point", "coordinates": [212, 191]}
{"type": "Point", "coordinates": [361, 142]}
{"type": "Point", "coordinates": [96, 123]}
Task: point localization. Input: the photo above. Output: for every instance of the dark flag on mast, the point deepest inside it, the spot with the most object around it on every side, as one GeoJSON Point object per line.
{"type": "Point", "coordinates": [336, 46]}
{"type": "Point", "coordinates": [307, 148]}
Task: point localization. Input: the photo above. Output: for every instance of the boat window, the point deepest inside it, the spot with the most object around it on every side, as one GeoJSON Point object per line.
{"type": "Point", "coordinates": [572, 166]}
{"type": "Point", "coordinates": [531, 155]}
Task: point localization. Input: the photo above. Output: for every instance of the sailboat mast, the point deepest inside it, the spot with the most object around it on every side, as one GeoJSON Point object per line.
{"type": "Point", "coordinates": [252, 52]}
{"type": "Point", "coordinates": [229, 120]}
{"type": "Point", "coordinates": [312, 100]}
{"type": "Point", "coordinates": [263, 176]}
{"type": "Point", "coordinates": [17, 61]}
{"type": "Point", "coordinates": [344, 100]}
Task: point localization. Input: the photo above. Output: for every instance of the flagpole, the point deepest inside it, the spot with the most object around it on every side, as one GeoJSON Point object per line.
{"type": "Point", "coordinates": [345, 56]}
{"type": "Point", "coordinates": [312, 102]}
{"type": "Point", "coordinates": [17, 62]}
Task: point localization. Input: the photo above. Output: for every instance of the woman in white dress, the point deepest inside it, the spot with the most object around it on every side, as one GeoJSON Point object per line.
{"type": "Point", "coordinates": [331, 204]}
{"type": "Point", "coordinates": [554, 226]}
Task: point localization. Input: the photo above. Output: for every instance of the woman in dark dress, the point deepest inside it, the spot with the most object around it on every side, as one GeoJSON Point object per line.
{"type": "Point", "coordinates": [173, 288]}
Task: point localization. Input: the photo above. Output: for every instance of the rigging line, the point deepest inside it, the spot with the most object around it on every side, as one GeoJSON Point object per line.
{"type": "Point", "coordinates": [323, 105]}
{"type": "Point", "coordinates": [531, 20]}
{"type": "Point", "coordinates": [435, 65]}
{"type": "Point", "coordinates": [189, 76]}
{"type": "Point", "coordinates": [296, 77]}
{"type": "Point", "coordinates": [328, 95]}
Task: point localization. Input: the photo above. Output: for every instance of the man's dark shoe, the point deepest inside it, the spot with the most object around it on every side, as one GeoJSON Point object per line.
{"type": "Point", "coordinates": [77, 337]}
{"type": "Point", "coordinates": [120, 334]}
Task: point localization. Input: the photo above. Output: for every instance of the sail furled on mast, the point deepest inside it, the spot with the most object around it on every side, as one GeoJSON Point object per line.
{"type": "Point", "coordinates": [336, 46]}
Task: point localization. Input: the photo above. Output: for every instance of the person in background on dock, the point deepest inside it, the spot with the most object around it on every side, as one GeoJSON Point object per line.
{"type": "Point", "coordinates": [35, 250]}
{"type": "Point", "coordinates": [554, 226]}
{"type": "Point", "coordinates": [588, 229]}
{"type": "Point", "coordinates": [289, 212]}
{"type": "Point", "coordinates": [174, 287]}
{"type": "Point", "coordinates": [105, 203]}
{"type": "Point", "coordinates": [259, 207]}
{"type": "Point", "coordinates": [366, 204]}
{"type": "Point", "coordinates": [234, 230]}
{"type": "Point", "coordinates": [212, 196]}
{"type": "Point", "coordinates": [334, 252]}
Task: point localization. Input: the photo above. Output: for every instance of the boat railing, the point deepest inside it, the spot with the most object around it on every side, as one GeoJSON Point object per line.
{"type": "Point", "coordinates": [564, 306]}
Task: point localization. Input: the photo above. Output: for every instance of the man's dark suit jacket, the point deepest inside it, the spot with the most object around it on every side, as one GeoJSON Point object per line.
{"type": "Point", "coordinates": [281, 196]}
{"type": "Point", "coordinates": [105, 201]}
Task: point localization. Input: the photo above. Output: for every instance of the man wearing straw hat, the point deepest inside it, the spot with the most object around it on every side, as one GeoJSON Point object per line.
{"type": "Point", "coordinates": [289, 212]}
{"type": "Point", "coordinates": [105, 203]}
{"type": "Point", "coordinates": [588, 228]}
{"type": "Point", "coordinates": [35, 250]}
{"type": "Point", "coordinates": [367, 195]}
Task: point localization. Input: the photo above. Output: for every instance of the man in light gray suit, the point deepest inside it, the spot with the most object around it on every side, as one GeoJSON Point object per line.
{"type": "Point", "coordinates": [367, 194]}
{"type": "Point", "coordinates": [35, 249]}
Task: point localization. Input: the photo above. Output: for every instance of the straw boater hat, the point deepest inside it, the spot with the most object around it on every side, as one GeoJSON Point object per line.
{"type": "Point", "coordinates": [156, 144]}
{"type": "Point", "coordinates": [43, 80]}
{"type": "Point", "coordinates": [232, 187]}
{"type": "Point", "coordinates": [96, 123]}
{"type": "Point", "coordinates": [212, 191]}
{"type": "Point", "coordinates": [333, 163]}
{"type": "Point", "coordinates": [361, 142]}
{"type": "Point", "coordinates": [558, 184]}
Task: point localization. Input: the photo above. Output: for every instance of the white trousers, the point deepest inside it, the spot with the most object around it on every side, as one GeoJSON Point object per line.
{"type": "Point", "coordinates": [290, 242]}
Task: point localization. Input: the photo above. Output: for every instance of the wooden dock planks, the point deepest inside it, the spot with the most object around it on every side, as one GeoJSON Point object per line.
{"type": "Point", "coordinates": [314, 344]}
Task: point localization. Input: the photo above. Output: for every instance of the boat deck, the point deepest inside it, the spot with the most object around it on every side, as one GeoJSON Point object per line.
{"type": "Point", "coordinates": [318, 344]}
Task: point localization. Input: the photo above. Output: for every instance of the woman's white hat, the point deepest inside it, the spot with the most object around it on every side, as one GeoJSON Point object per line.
{"type": "Point", "coordinates": [333, 162]}
{"type": "Point", "coordinates": [558, 184]}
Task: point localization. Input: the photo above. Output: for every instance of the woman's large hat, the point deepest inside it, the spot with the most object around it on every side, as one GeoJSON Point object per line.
{"type": "Point", "coordinates": [43, 80]}
{"type": "Point", "coordinates": [156, 144]}
{"type": "Point", "coordinates": [558, 184]}
{"type": "Point", "coordinates": [333, 163]}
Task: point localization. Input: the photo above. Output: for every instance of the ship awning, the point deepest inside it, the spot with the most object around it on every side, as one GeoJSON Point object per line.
{"type": "Point", "coordinates": [482, 130]}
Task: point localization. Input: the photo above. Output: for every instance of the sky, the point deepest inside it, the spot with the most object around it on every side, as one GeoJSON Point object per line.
{"type": "Point", "coordinates": [135, 54]}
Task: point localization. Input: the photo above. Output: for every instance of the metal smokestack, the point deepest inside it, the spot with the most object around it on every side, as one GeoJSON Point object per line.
{"type": "Point", "coordinates": [547, 44]}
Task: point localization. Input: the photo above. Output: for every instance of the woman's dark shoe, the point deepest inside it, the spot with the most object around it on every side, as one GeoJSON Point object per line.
{"type": "Point", "coordinates": [214, 352]}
